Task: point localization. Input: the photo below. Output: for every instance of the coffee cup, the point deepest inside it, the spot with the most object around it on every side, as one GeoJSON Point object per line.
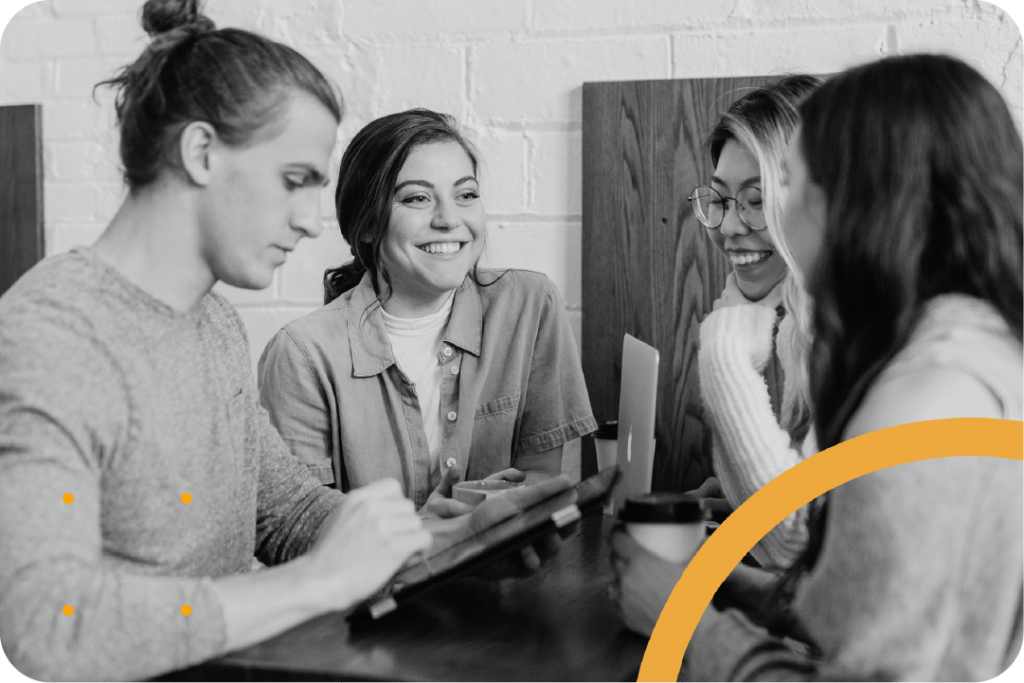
{"type": "Point", "coordinates": [606, 444]}
{"type": "Point", "coordinates": [473, 492]}
{"type": "Point", "coordinates": [670, 525]}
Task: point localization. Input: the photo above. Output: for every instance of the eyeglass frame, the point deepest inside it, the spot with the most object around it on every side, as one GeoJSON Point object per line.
{"type": "Point", "coordinates": [735, 201]}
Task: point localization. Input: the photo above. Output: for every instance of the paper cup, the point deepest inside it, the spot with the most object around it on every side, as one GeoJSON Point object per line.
{"type": "Point", "coordinates": [670, 525]}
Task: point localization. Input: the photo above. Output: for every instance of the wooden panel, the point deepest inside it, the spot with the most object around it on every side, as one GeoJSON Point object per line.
{"type": "Point", "coordinates": [21, 191]}
{"type": "Point", "coordinates": [648, 268]}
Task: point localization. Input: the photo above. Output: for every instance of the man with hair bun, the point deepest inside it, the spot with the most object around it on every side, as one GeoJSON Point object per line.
{"type": "Point", "coordinates": [125, 382]}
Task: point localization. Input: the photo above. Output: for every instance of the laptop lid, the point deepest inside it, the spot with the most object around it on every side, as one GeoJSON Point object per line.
{"type": "Point", "coordinates": [638, 400]}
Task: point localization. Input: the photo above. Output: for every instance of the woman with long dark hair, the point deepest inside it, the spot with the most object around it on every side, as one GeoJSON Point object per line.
{"type": "Point", "coordinates": [904, 219]}
{"type": "Point", "coordinates": [421, 366]}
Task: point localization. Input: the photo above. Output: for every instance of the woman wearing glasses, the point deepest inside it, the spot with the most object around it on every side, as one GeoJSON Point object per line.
{"type": "Point", "coordinates": [751, 350]}
{"type": "Point", "coordinates": [912, 572]}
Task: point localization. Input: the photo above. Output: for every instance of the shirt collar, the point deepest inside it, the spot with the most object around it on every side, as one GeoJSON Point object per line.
{"type": "Point", "coordinates": [368, 338]}
{"type": "Point", "coordinates": [465, 329]}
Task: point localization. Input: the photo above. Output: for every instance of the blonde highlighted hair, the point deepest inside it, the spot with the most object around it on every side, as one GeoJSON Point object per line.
{"type": "Point", "coordinates": [763, 122]}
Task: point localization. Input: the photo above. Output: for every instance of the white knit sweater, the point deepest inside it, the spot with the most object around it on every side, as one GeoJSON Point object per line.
{"type": "Point", "coordinates": [750, 447]}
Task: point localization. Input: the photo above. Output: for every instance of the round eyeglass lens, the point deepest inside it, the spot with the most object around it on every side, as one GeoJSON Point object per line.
{"type": "Point", "coordinates": [707, 206]}
{"type": "Point", "coordinates": [751, 208]}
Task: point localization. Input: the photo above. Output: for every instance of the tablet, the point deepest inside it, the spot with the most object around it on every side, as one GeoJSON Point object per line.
{"type": "Point", "coordinates": [470, 554]}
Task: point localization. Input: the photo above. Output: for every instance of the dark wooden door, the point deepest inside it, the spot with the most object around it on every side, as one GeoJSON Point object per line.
{"type": "Point", "coordinates": [21, 191]}
{"type": "Point", "coordinates": [648, 268]}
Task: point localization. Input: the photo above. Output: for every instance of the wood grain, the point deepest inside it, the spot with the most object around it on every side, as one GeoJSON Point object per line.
{"type": "Point", "coordinates": [648, 268]}
{"type": "Point", "coordinates": [558, 624]}
{"type": "Point", "coordinates": [21, 191]}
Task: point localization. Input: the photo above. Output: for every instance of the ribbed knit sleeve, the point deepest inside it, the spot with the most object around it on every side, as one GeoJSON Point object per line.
{"type": "Point", "coordinates": [751, 448]}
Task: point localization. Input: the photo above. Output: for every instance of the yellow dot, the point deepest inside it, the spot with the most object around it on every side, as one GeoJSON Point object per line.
{"type": "Point", "coordinates": [68, 609]}
{"type": "Point", "coordinates": [186, 498]}
{"type": "Point", "coordinates": [68, 498]}
{"type": "Point", "coordinates": [186, 610]}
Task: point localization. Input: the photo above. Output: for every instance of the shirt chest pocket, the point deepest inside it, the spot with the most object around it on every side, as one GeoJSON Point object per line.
{"type": "Point", "coordinates": [495, 433]}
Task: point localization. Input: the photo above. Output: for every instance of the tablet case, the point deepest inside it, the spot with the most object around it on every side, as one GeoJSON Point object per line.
{"type": "Point", "coordinates": [471, 554]}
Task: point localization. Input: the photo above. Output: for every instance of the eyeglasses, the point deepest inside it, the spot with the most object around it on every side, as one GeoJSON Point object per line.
{"type": "Point", "coordinates": [710, 207]}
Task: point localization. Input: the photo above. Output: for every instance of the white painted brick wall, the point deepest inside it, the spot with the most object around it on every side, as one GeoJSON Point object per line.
{"type": "Point", "coordinates": [537, 83]}
{"type": "Point", "coordinates": [510, 70]}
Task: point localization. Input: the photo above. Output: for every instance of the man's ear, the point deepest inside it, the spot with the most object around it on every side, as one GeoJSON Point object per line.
{"type": "Point", "coordinates": [195, 146]}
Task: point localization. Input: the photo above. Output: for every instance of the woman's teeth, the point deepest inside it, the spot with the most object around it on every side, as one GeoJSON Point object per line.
{"type": "Point", "coordinates": [442, 247]}
{"type": "Point", "coordinates": [748, 257]}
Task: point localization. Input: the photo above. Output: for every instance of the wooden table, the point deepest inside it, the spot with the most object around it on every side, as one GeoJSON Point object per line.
{"type": "Point", "coordinates": [558, 624]}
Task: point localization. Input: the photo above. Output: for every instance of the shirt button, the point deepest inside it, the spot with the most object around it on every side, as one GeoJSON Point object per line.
{"type": "Point", "coordinates": [450, 462]}
{"type": "Point", "coordinates": [447, 352]}
{"type": "Point", "coordinates": [455, 369]}
{"type": "Point", "coordinates": [452, 415]}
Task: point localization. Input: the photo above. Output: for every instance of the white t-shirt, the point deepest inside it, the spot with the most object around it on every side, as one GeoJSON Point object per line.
{"type": "Point", "coordinates": [416, 343]}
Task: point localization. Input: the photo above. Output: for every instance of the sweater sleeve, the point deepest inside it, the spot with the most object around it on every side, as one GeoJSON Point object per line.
{"type": "Point", "coordinates": [751, 448]}
{"type": "Point", "coordinates": [292, 503]}
{"type": "Point", "coordinates": [919, 579]}
{"type": "Point", "coordinates": [66, 610]}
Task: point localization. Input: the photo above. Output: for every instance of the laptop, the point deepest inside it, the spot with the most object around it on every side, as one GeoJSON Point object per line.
{"type": "Point", "coordinates": [638, 401]}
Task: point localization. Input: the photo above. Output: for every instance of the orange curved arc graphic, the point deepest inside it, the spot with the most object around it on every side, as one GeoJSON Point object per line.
{"type": "Point", "coordinates": [793, 489]}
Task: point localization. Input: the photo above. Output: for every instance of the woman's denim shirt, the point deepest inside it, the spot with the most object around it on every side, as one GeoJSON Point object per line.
{"type": "Point", "coordinates": [512, 386]}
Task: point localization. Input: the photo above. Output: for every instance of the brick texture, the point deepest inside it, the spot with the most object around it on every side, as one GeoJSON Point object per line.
{"type": "Point", "coordinates": [510, 70]}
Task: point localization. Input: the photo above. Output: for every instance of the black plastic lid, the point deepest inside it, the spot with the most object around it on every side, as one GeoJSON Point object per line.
{"type": "Point", "coordinates": [662, 508]}
{"type": "Point", "coordinates": [607, 430]}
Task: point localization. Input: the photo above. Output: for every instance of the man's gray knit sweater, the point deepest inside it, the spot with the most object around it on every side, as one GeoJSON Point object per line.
{"type": "Point", "coordinates": [112, 396]}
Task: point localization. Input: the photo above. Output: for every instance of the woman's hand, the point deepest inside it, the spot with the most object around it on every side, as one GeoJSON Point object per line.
{"type": "Point", "coordinates": [371, 535]}
{"type": "Point", "coordinates": [643, 582]}
{"type": "Point", "coordinates": [713, 499]}
{"type": "Point", "coordinates": [440, 502]}
{"type": "Point", "coordinates": [744, 330]}
{"type": "Point", "coordinates": [532, 557]}
{"type": "Point", "coordinates": [511, 474]}
{"type": "Point", "coordinates": [448, 532]}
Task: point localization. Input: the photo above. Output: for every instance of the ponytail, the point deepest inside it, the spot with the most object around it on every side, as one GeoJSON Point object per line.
{"type": "Point", "coordinates": [339, 280]}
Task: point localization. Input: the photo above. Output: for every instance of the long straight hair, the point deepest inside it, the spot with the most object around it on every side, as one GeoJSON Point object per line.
{"type": "Point", "coordinates": [921, 167]}
{"type": "Point", "coordinates": [922, 170]}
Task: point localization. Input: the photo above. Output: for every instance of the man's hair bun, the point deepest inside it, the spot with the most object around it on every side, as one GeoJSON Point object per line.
{"type": "Point", "coordinates": [162, 16]}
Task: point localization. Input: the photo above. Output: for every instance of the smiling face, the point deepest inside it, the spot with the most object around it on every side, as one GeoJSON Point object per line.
{"type": "Point", "coordinates": [263, 198]}
{"type": "Point", "coordinates": [436, 231]}
{"type": "Point", "coordinates": [804, 212]}
{"type": "Point", "coordinates": [758, 267]}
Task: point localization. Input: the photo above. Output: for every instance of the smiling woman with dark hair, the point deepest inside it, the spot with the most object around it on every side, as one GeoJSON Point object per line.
{"type": "Point", "coordinates": [138, 474]}
{"type": "Point", "coordinates": [904, 220]}
{"type": "Point", "coordinates": [421, 366]}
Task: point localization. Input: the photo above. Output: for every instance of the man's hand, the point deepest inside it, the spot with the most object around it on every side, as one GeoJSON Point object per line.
{"type": "Point", "coordinates": [371, 535]}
